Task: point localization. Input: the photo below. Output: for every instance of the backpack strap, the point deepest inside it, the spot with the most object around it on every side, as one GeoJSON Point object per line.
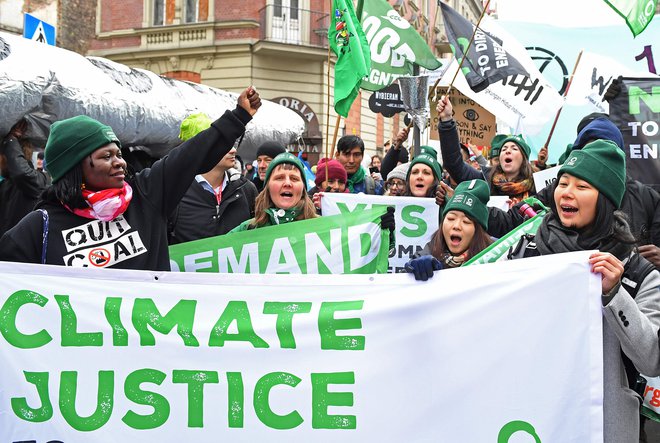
{"type": "Point", "coordinates": [44, 238]}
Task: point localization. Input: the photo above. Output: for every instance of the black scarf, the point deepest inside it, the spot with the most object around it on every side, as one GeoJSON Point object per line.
{"type": "Point", "coordinates": [554, 238]}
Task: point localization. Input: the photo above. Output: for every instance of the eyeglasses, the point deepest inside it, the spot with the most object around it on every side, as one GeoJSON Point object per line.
{"type": "Point", "coordinates": [395, 184]}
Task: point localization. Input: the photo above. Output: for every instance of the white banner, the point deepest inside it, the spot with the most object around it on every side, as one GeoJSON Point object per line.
{"type": "Point", "coordinates": [416, 220]}
{"type": "Point", "coordinates": [546, 177]}
{"type": "Point", "coordinates": [474, 355]}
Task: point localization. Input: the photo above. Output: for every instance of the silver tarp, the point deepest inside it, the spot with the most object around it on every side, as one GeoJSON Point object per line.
{"type": "Point", "coordinates": [45, 84]}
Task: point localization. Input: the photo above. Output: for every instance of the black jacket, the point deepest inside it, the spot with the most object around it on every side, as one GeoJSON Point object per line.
{"type": "Point", "coordinates": [20, 190]}
{"type": "Point", "coordinates": [138, 238]}
{"type": "Point", "coordinates": [640, 203]}
{"type": "Point", "coordinates": [199, 216]}
{"type": "Point", "coordinates": [452, 160]}
{"type": "Point", "coordinates": [392, 159]}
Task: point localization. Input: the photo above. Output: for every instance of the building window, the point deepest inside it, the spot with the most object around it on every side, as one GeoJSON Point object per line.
{"type": "Point", "coordinates": [159, 12]}
{"type": "Point", "coordinates": [191, 9]}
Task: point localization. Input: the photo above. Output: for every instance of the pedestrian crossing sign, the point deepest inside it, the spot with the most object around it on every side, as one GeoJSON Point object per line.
{"type": "Point", "coordinates": [38, 30]}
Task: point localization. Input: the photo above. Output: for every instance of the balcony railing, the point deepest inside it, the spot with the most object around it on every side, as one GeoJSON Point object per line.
{"type": "Point", "coordinates": [294, 26]}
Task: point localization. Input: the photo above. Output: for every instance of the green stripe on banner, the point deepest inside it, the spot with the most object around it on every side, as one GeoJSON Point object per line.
{"type": "Point", "coordinates": [498, 249]}
{"type": "Point", "coordinates": [343, 244]}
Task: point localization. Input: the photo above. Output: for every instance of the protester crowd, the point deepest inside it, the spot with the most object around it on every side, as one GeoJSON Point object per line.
{"type": "Point", "coordinates": [201, 189]}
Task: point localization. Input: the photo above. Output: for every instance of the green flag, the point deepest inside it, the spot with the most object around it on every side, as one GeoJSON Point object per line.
{"type": "Point", "coordinates": [637, 13]}
{"type": "Point", "coordinates": [349, 44]}
{"type": "Point", "coordinates": [351, 243]}
{"type": "Point", "coordinates": [394, 45]}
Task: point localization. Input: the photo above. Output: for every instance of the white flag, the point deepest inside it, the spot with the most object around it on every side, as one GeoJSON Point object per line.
{"type": "Point", "coordinates": [594, 74]}
{"type": "Point", "coordinates": [521, 102]}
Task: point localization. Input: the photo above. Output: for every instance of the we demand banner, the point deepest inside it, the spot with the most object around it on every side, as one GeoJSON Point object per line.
{"type": "Point", "coordinates": [344, 244]}
{"type": "Point", "coordinates": [416, 220]}
{"type": "Point", "coordinates": [111, 355]}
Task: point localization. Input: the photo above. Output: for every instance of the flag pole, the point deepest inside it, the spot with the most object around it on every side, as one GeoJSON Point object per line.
{"type": "Point", "coordinates": [451, 84]}
{"type": "Point", "coordinates": [568, 86]}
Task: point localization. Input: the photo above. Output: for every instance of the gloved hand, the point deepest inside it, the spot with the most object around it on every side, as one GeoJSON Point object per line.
{"type": "Point", "coordinates": [613, 90]}
{"type": "Point", "coordinates": [423, 267]}
{"type": "Point", "coordinates": [387, 222]}
{"type": "Point", "coordinates": [387, 219]}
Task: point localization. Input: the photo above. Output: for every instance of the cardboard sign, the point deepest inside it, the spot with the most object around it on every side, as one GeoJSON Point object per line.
{"type": "Point", "coordinates": [475, 125]}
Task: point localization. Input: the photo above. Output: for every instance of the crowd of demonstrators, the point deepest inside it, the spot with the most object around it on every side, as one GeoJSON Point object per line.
{"type": "Point", "coordinates": [284, 198]}
{"type": "Point", "coordinates": [265, 154]}
{"type": "Point", "coordinates": [22, 183]}
{"type": "Point", "coordinates": [512, 177]}
{"type": "Point", "coordinates": [350, 152]}
{"type": "Point", "coordinates": [216, 201]}
{"type": "Point", "coordinates": [91, 198]}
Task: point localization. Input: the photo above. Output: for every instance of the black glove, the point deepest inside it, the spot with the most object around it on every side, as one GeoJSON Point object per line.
{"type": "Point", "coordinates": [613, 90]}
{"type": "Point", "coordinates": [423, 267]}
{"type": "Point", "coordinates": [387, 222]}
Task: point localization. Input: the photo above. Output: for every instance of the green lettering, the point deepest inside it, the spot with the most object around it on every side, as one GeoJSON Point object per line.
{"type": "Point", "coordinates": [261, 401]}
{"type": "Point", "coordinates": [195, 381]}
{"type": "Point", "coordinates": [284, 324]}
{"type": "Point", "coordinates": [329, 325]}
{"type": "Point", "coordinates": [104, 401]}
{"type": "Point", "coordinates": [137, 395]}
{"type": "Point", "coordinates": [515, 426]}
{"type": "Point", "coordinates": [69, 327]}
{"type": "Point", "coordinates": [343, 208]}
{"type": "Point", "coordinates": [235, 310]}
{"type": "Point", "coordinates": [235, 399]}
{"type": "Point", "coordinates": [25, 412]}
{"type": "Point", "coordinates": [182, 315]}
{"type": "Point", "coordinates": [321, 399]}
{"type": "Point", "coordinates": [408, 217]}
{"type": "Point", "coordinates": [637, 94]}
{"type": "Point", "coordinates": [112, 311]}
{"type": "Point", "coordinates": [8, 314]}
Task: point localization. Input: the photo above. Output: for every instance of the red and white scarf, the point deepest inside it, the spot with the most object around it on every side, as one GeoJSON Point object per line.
{"type": "Point", "coordinates": [105, 205]}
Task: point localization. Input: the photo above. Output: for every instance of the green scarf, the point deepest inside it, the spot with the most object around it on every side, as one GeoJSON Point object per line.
{"type": "Point", "coordinates": [281, 216]}
{"type": "Point", "coordinates": [356, 178]}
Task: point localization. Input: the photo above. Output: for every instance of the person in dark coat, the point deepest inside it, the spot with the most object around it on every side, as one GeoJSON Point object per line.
{"type": "Point", "coordinates": [511, 177]}
{"type": "Point", "coordinates": [396, 155]}
{"type": "Point", "coordinates": [265, 154]}
{"type": "Point", "coordinates": [93, 215]}
{"type": "Point", "coordinates": [217, 201]}
{"type": "Point", "coordinates": [22, 183]}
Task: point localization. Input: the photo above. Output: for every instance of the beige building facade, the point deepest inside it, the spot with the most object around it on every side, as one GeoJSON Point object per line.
{"type": "Point", "coordinates": [279, 46]}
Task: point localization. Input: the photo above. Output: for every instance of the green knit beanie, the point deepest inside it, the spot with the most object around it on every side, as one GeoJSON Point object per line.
{"type": "Point", "coordinates": [517, 139]}
{"type": "Point", "coordinates": [496, 145]}
{"type": "Point", "coordinates": [471, 198]}
{"type": "Point", "coordinates": [430, 150]}
{"type": "Point", "coordinates": [429, 161]}
{"type": "Point", "coordinates": [73, 139]}
{"type": "Point", "coordinates": [193, 125]}
{"type": "Point", "coordinates": [602, 164]}
{"type": "Point", "coordinates": [289, 158]}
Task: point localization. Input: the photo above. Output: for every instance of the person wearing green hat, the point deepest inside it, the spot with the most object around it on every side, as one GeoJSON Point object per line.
{"type": "Point", "coordinates": [511, 177]}
{"type": "Point", "coordinates": [462, 232]}
{"type": "Point", "coordinates": [424, 175]}
{"type": "Point", "coordinates": [95, 214]}
{"type": "Point", "coordinates": [585, 216]}
{"type": "Point", "coordinates": [284, 198]}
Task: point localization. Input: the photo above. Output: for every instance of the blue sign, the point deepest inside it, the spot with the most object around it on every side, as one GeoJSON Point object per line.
{"type": "Point", "coordinates": [37, 30]}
